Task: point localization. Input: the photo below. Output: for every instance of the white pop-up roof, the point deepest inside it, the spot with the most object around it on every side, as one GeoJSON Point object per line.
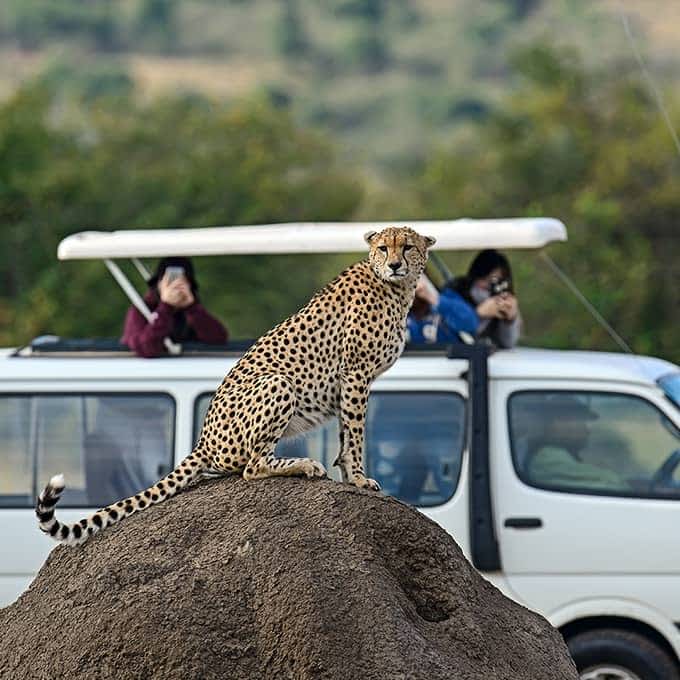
{"type": "Point", "coordinates": [306, 237]}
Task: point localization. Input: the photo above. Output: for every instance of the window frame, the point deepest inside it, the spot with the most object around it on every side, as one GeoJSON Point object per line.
{"type": "Point", "coordinates": [604, 493]}
{"type": "Point", "coordinates": [196, 426]}
{"type": "Point", "coordinates": [36, 486]}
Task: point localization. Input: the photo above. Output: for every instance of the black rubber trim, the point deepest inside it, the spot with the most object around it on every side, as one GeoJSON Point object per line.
{"type": "Point", "coordinates": [92, 346]}
{"type": "Point", "coordinates": [111, 346]}
{"type": "Point", "coordinates": [523, 523]}
{"type": "Point", "coordinates": [484, 548]}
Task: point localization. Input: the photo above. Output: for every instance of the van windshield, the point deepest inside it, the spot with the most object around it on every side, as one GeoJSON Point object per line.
{"type": "Point", "coordinates": [670, 384]}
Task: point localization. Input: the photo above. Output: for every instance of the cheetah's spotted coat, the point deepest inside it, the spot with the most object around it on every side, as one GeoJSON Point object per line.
{"type": "Point", "coordinates": [316, 364]}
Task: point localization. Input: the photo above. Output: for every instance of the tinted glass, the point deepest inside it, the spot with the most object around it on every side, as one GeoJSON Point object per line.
{"type": "Point", "coordinates": [414, 444]}
{"type": "Point", "coordinates": [200, 409]}
{"type": "Point", "coordinates": [16, 483]}
{"type": "Point", "coordinates": [601, 443]}
{"type": "Point", "coordinates": [107, 446]}
{"type": "Point", "coordinates": [670, 384]}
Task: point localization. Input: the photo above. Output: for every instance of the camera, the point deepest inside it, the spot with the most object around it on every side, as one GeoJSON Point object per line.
{"type": "Point", "coordinates": [500, 286]}
{"type": "Point", "coordinates": [173, 273]}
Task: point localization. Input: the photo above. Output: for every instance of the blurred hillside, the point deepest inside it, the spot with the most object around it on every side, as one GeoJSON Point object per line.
{"type": "Point", "coordinates": [165, 113]}
{"type": "Point", "coordinates": [387, 79]}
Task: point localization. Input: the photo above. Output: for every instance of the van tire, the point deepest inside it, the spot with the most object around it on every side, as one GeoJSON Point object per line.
{"type": "Point", "coordinates": [621, 648]}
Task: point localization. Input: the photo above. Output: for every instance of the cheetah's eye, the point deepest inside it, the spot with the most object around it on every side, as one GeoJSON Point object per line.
{"type": "Point", "coordinates": [407, 248]}
{"type": "Point", "coordinates": [382, 249]}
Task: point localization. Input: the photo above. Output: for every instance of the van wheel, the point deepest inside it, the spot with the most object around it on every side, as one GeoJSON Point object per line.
{"type": "Point", "coordinates": [620, 655]}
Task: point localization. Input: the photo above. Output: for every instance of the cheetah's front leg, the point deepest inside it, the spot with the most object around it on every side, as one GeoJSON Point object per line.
{"type": "Point", "coordinates": [353, 404]}
{"type": "Point", "coordinates": [271, 405]}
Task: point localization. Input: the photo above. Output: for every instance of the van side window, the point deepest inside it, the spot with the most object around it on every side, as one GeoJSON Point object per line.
{"type": "Point", "coordinates": [108, 446]}
{"type": "Point", "coordinates": [16, 465]}
{"type": "Point", "coordinates": [594, 442]}
{"type": "Point", "coordinates": [414, 443]}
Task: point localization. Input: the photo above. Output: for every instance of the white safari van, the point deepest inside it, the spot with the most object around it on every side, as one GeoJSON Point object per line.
{"type": "Point", "coordinates": [472, 437]}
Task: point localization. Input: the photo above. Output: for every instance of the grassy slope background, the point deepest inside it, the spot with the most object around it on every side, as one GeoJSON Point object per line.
{"type": "Point", "coordinates": [386, 79]}
{"type": "Point", "coordinates": [157, 113]}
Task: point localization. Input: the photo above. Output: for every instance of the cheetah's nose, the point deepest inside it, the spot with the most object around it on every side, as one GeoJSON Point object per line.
{"type": "Point", "coordinates": [394, 266]}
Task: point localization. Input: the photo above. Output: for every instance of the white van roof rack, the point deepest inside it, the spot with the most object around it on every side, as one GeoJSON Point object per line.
{"type": "Point", "coordinates": [306, 237]}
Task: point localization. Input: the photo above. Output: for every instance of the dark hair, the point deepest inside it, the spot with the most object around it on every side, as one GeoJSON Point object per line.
{"type": "Point", "coordinates": [483, 264]}
{"type": "Point", "coordinates": [183, 262]}
{"type": "Point", "coordinates": [486, 262]}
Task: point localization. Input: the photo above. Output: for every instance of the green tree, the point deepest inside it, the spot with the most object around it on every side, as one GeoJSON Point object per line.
{"type": "Point", "coordinates": [34, 23]}
{"type": "Point", "coordinates": [173, 162]}
{"type": "Point", "coordinates": [157, 24]}
{"type": "Point", "coordinates": [373, 11]}
{"type": "Point", "coordinates": [367, 50]}
{"type": "Point", "coordinates": [290, 37]}
{"type": "Point", "coordinates": [593, 151]}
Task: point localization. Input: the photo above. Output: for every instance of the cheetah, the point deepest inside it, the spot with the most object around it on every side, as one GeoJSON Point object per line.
{"type": "Point", "coordinates": [315, 365]}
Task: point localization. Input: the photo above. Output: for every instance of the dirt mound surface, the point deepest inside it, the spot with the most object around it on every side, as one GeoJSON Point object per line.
{"type": "Point", "coordinates": [280, 578]}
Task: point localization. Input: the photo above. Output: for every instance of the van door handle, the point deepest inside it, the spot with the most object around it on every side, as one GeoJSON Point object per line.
{"type": "Point", "coordinates": [523, 522]}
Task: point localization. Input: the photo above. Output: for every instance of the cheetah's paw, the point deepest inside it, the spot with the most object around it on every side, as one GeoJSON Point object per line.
{"type": "Point", "coordinates": [363, 482]}
{"type": "Point", "coordinates": [314, 469]}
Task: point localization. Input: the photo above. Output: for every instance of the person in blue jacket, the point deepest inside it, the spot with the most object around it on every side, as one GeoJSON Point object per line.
{"type": "Point", "coordinates": [479, 305]}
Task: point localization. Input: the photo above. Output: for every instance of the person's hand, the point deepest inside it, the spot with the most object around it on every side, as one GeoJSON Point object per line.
{"type": "Point", "coordinates": [425, 290]}
{"type": "Point", "coordinates": [175, 293]}
{"type": "Point", "coordinates": [508, 306]}
{"type": "Point", "coordinates": [490, 308]}
{"type": "Point", "coordinates": [186, 296]}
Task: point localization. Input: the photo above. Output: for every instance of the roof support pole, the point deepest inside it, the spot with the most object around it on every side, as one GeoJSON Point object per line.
{"type": "Point", "coordinates": [138, 302]}
{"type": "Point", "coordinates": [141, 268]}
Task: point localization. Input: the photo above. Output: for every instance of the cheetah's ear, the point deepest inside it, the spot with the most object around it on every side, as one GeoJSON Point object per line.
{"type": "Point", "coordinates": [368, 236]}
{"type": "Point", "coordinates": [429, 241]}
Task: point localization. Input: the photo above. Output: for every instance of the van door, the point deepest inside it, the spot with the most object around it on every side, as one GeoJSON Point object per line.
{"type": "Point", "coordinates": [109, 445]}
{"type": "Point", "coordinates": [586, 487]}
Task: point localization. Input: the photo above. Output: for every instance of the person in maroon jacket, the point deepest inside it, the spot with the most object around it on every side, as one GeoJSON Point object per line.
{"type": "Point", "coordinates": [178, 314]}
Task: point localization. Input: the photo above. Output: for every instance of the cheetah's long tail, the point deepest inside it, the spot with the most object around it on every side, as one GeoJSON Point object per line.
{"type": "Point", "coordinates": [78, 532]}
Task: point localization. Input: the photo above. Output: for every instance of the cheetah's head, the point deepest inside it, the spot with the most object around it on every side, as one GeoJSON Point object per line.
{"type": "Point", "coordinates": [398, 254]}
